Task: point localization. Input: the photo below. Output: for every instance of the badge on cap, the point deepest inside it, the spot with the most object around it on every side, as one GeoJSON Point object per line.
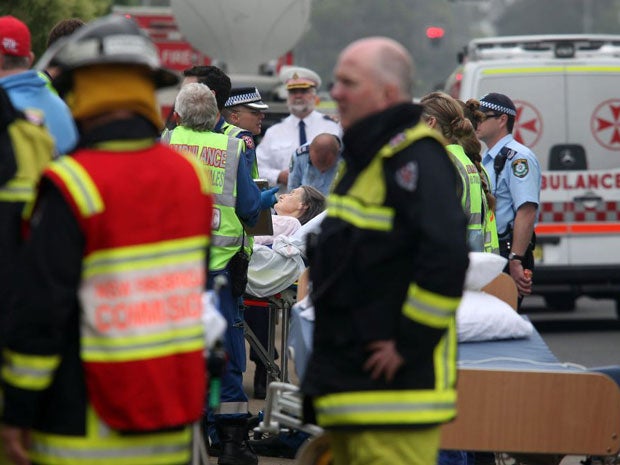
{"type": "Point", "coordinates": [520, 168]}
{"type": "Point", "coordinates": [407, 176]}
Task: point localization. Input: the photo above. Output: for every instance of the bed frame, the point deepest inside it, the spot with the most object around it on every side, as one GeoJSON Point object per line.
{"type": "Point", "coordinates": [571, 413]}
{"type": "Point", "coordinates": [519, 411]}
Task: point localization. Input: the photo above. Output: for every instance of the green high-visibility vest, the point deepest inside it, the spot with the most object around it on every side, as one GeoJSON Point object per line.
{"type": "Point", "coordinates": [471, 198]}
{"type": "Point", "coordinates": [220, 154]}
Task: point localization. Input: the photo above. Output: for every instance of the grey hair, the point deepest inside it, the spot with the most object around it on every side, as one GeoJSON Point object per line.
{"type": "Point", "coordinates": [197, 107]}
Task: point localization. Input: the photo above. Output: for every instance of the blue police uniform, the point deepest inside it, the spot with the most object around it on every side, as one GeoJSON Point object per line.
{"type": "Point", "coordinates": [303, 172]}
{"type": "Point", "coordinates": [249, 153]}
{"type": "Point", "coordinates": [517, 182]}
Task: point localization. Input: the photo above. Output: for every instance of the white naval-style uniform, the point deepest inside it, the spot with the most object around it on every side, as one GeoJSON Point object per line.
{"type": "Point", "coordinates": [282, 139]}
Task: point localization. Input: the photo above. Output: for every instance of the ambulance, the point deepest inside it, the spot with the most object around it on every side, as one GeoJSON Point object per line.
{"type": "Point", "coordinates": [566, 89]}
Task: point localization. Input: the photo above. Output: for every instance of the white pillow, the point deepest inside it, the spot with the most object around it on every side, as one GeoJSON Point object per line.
{"type": "Point", "coordinates": [484, 317]}
{"type": "Point", "coordinates": [483, 268]}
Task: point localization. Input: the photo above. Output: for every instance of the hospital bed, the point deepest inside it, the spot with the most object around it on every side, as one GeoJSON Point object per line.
{"type": "Point", "coordinates": [513, 396]}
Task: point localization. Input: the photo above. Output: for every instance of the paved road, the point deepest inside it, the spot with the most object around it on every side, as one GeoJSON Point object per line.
{"type": "Point", "coordinates": [588, 336]}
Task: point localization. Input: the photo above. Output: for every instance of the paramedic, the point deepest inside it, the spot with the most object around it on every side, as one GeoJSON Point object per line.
{"type": "Point", "coordinates": [237, 199]}
{"type": "Point", "coordinates": [515, 178]}
{"type": "Point", "coordinates": [387, 269]}
{"type": "Point", "coordinates": [444, 113]}
{"type": "Point", "coordinates": [101, 257]}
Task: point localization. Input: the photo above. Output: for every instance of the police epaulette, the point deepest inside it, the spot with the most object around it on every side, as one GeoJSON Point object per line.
{"type": "Point", "coordinates": [302, 150]}
{"type": "Point", "coordinates": [331, 118]}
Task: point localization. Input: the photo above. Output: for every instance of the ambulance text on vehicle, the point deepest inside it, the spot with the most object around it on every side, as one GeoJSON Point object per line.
{"type": "Point", "coordinates": [567, 92]}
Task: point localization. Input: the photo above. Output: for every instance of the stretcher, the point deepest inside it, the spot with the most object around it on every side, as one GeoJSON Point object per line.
{"type": "Point", "coordinates": [513, 396]}
{"type": "Point", "coordinates": [272, 276]}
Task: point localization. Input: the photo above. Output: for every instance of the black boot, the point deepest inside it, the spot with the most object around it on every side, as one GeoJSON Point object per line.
{"type": "Point", "coordinates": [260, 381]}
{"type": "Point", "coordinates": [233, 434]}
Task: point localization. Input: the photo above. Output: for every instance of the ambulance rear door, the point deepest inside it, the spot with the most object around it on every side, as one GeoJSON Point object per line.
{"type": "Point", "coordinates": [592, 213]}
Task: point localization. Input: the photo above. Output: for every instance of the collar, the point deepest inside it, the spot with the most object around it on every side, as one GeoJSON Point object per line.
{"type": "Point", "coordinates": [364, 139]}
{"type": "Point", "coordinates": [219, 124]}
{"type": "Point", "coordinates": [493, 151]}
{"type": "Point", "coordinates": [136, 127]}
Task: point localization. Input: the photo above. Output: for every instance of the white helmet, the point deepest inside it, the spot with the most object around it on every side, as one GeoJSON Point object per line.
{"type": "Point", "coordinates": [111, 39]}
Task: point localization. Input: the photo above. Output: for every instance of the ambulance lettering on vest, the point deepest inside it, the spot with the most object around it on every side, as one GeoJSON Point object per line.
{"type": "Point", "coordinates": [213, 157]}
{"type": "Point", "coordinates": [528, 126]}
{"type": "Point", "coordinates": [581, 180]}
{"type": "Point", "coordinates": [605, 124]}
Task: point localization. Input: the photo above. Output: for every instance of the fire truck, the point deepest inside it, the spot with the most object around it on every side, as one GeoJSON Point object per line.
{"type": "Point", "coordinates": [565, 88]}
{"type": "Point", "coordinates": [170, 35]}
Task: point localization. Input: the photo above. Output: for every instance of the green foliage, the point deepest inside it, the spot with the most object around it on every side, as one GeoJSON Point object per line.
{"type": "Point", "coordinates": [42, 15]}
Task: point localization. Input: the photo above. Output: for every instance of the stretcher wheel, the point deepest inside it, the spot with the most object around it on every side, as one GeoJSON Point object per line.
{"type": "Point", "coordinates": [316, 451]}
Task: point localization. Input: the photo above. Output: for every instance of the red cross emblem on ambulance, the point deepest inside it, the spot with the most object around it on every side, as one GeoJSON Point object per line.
{"type": "Point", "coordinates": [605, 124]}
{"type": "Point", "coordinates": [528, 124]}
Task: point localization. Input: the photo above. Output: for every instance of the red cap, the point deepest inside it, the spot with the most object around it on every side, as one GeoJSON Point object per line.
{"type": "Point", "coordinates": [14, 37]}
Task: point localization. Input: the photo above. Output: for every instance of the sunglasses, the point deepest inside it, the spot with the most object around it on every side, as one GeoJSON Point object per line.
{"type": "Point", "coordinates": [491, 115]}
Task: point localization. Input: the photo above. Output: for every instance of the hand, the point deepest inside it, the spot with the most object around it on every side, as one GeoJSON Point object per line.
{"type": "Point", "coordinates": [268, 198]}
{"type": "Point", "coordinates": [15, 442]}
{"type": "Point", "coordinates": [384, 360]}
{"type": "Point", "coordinates": [522, 280]}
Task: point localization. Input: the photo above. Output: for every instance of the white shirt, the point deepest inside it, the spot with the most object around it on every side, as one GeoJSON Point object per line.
{"type": "Point", "coordinates": [282, 139]}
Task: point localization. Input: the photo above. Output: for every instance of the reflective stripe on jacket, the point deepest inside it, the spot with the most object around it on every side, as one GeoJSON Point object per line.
{"type": "Point", "coordinates": [220, 155]}
{"type": "Point", "coordinates": [365, 207]}
{"type": "Point", "coordinates": [141, 287]}
{"type": "Point", "coordinates": [471, 198]}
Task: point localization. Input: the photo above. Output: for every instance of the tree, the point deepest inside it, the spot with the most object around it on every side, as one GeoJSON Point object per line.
{"type": "Point", "coordinates": [42, 15]}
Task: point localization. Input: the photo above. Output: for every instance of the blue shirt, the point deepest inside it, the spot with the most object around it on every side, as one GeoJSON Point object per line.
{"type": "Point", "coordinates": [249, 152]}
{"type": "Point", "coordinates": [517, 183]}
{"type": "Point", "coordinates": [29, 93]}
{"type": "Point", "coordinates": [303, 173]}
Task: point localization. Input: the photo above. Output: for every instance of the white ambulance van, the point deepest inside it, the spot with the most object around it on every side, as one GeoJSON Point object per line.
{"type": "Point", "coordinates": [567, 92]}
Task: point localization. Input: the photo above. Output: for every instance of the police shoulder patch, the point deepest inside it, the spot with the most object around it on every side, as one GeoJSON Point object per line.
{"type": "Point", "coordinates": [520, 168]}
{"type": "Point", "coordinates": [249, 141]}
{"type": "Point", "coordinates": [407, 176]}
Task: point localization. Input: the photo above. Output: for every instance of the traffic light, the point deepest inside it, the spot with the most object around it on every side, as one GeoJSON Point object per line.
{"type": "Point", "coordinates": [435, 34]}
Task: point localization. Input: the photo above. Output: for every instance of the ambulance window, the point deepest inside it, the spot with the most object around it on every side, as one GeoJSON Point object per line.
{"type": "Point", "coordinates": [567, 157]}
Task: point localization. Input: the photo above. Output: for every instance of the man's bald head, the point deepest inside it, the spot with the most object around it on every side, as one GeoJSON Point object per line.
{"type": "Point", "coordinates": [371, 74]}
{"type": "Point", "coordinates": [324, 151]}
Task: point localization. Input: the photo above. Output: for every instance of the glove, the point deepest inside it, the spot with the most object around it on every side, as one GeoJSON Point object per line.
{"type": "Point", "coordinates": [268, 198]}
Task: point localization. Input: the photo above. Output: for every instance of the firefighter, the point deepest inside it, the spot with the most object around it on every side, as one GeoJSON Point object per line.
{"type": "Point", "coordinates": [105, 355]}
{"type": "Point", "coordinates": [387, 271]}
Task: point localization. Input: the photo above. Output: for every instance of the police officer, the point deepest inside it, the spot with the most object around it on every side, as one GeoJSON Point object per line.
{"type": "Point", "coordinates": [245, 109]}
{"type": "Point", "coordinates": [315, 164]}
{"type": "Point", "coordinates": [237, 200]}
{"type": "Point", "coordinates": [107, 325]}
{"type": "Point", "coordinates": [301, 126]}
{"type": "Point", "coordinates": [515, 178]}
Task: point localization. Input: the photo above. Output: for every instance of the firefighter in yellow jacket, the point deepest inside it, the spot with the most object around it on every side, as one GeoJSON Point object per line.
{"type": "Point", "coordinates": [104, 361]}
{"type": "Point", "coordinates": [387, 270]}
